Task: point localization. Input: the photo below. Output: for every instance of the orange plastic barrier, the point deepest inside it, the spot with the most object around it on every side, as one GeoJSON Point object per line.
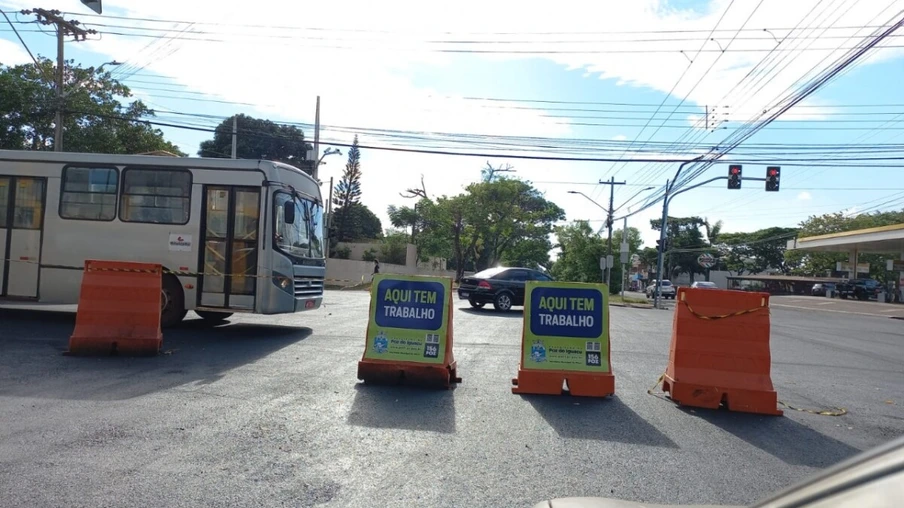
{"type": "Point", "coordinates": [118, 309]}
{"type": "Point", "coordinates": [409, 334]}
{"type": "Point", "coordinates": [720, 351]}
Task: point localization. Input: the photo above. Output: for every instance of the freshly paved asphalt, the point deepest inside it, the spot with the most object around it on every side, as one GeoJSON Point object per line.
{"type": "Point", "coordinates": [266, 411]}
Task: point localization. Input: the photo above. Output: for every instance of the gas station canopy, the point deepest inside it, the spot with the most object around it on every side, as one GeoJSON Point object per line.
{"type": "Point", "coordinates": [880, 240]}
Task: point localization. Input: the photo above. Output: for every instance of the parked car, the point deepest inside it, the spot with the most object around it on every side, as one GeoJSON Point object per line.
{"type": "Point", "coordinates": [820, 288]}
{"type": "Point", "coordinates": [703, 284]}
{"type": "Point", "coordinates": [502, 286]}
{"type": "Point", "coordinates": [861, 289]}
{"type": "Point", "coordinates": [668, 290]}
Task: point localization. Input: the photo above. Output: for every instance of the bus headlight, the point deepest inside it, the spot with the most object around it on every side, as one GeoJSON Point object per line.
{"type": "Point", "coordinates": [283, 282]}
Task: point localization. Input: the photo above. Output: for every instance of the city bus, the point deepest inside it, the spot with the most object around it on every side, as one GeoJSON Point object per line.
{"type": "Point", "coordinates": [232, 235]}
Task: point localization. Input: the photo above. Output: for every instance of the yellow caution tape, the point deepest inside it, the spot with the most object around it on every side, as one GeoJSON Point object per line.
{"type": "Point", "coordinates": [721, 316]}
{"type": "Point", "coordinates": [838, 411]}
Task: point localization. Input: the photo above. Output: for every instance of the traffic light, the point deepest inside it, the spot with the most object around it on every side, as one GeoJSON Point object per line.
{"type": "Point", "coordinates": [734, 176]}
{"type": "Point", "coordinates": [662, 245]}
{"type": "Point", "coordinates": [773, 173]}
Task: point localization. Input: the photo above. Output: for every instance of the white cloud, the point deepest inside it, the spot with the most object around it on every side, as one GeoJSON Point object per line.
{"type": "Point", "coordinates": [804, 196]}
{"type": "Point", "coordinates": [620, 137]}
{"type": "Point", "coordinates": [281, 71]}
{"type": "Point", "coordinates": [11, 53]}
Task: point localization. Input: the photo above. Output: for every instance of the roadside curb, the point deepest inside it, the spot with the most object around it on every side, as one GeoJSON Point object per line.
{"type": "Point", "coordinates": [630, 305]}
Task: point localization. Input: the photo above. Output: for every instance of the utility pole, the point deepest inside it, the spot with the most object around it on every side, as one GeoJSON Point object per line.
{"type": "Point", "coordinates": [329, 222]}
{"type": "Point", "coordinates": [317, 140]}
{"type": "Point", "coordinates": [611, 183]}
{"type": "Point", "coordinates": [662, 239]}
{"type": "Point", "coordinates": [63, 27]}
{"type": "Point", "coordinates": [624, 248]}
{"type": "Point", "coordinates": [235, 133]}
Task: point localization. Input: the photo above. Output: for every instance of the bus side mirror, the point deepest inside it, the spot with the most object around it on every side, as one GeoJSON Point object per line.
{"type": "Point", "coordinates": [289, 212]}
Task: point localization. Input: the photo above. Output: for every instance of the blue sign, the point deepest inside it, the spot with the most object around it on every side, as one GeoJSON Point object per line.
{"type": "Point", "coordinates": [416, 305]}
{"type": "Point", "coordinates": [566, 312]}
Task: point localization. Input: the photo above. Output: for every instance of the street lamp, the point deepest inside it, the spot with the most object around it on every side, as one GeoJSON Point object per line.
{"type": "Point", "coordinates": [328, 151]}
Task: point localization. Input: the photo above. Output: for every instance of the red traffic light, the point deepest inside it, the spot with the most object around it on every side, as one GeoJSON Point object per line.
{"type": "Point", "coordinates": [772, 172]}
{"type": "Point", "coordinates": [734, 169]}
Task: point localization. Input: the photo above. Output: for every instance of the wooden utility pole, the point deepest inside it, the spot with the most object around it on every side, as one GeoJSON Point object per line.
{"type": "Point", "coordinates": [64, 27]}
{"type": "Point", "coordinates": [609, 218]}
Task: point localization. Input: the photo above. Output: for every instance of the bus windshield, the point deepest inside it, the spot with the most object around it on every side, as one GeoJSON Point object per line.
{"type": "Point", "coordinates": [304, 237]}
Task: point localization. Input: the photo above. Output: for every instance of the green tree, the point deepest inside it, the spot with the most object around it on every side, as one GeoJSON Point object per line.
{"type": "Point", "coordinates": [500, 221]}
{"type": "Point", "coordinates": [634, 240]}
{"type": "Point", "coordinates": [257, 138]}
{"type": "Point", "coordinates": [580, 251]}
{"type": "Point", "coordinates": [361, 224]}
{"type": "Point", "coordinates": [406, 218]}
{"type": "Point", "coordinates": [395, 248]}
{"type": "Point", "coordinates": [347, 194]}
{"type": "Point", "coordinates": [686, 243]}
{"type": "Point", "coordinates": [99, 116]}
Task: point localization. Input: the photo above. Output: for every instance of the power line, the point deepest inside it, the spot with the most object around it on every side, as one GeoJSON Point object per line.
{"type": "Point", "coordinates": [362, 30]}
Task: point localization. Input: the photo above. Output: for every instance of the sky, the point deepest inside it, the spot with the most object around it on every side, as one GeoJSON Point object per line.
{"type": "Point", "coordinates": [589, 79]}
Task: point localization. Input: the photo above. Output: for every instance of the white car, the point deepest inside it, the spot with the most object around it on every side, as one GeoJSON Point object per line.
{"type": "Point", "coordinates": [668, 290]}
{"type": "Point", "coordinates": [702, 284]}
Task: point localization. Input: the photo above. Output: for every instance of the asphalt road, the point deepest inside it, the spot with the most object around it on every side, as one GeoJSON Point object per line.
{"type": "Point", "coordinates": [266, 411]}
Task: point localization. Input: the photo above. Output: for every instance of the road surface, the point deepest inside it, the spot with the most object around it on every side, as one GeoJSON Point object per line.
{"type": "Point", "coordinates": [266, 411]}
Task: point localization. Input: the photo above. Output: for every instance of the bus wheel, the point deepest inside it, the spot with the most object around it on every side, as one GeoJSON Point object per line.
{"type": "Point", "coordinates": [172, 302]}
{"type": "Point", "coordinates": [207, 315]}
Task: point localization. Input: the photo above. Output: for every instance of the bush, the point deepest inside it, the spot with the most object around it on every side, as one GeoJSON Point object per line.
{"type": "Point", "coordinates": [369, 255]}
{"type": "Point", "coordinates": [395, 249]}
{"type": "Point", "coordinates": [342, 253]}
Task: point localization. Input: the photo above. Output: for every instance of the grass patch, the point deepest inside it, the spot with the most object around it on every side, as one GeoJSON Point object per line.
{"type": "Point", "coordinates": [628, 300]}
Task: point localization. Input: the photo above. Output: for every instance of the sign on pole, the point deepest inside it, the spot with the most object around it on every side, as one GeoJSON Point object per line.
{"type": "Point", "coordinates": [706, 260]}
{"type": "Point", "coordinates": [894, 265]}
{"type": "Point", "coordinates": [603, 263]}
{"type": "Point", "coordinates": [624, 257]}
{"type": "Point", "coordinates": [94, 5]}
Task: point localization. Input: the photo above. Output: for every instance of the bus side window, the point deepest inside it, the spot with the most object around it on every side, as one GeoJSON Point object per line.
{"type": "Point", "coordinates": [158, 196]}
{"type": "Point", "coordinates": [89, 193]}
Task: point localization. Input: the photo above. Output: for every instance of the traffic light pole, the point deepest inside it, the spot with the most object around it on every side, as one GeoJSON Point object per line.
{"type": "Point", "coordinates": [664, 224]}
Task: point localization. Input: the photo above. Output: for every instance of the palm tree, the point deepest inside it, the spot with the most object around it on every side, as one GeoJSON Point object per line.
{"type": "Point", "coordinates": [404, 217]}
{"type": "Point", "coordinates": [712, 231]}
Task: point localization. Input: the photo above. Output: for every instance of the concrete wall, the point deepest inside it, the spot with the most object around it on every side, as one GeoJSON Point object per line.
{"type": "Point", "coordinates": [356, 252]}
{"type": "Point", "coordinates": [348, 272]}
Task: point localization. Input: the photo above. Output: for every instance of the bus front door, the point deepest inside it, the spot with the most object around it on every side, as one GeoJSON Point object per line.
{"type": "Point", "coordinates": [21, 224]}
{"type": "Point", "coordinates": [230, 232]}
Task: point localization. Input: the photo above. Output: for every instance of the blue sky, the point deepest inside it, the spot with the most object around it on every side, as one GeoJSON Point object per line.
{"type": "Point", "coordinates": [403, 85]}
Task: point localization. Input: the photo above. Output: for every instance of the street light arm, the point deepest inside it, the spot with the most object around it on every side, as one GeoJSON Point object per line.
{"type": "Point", "coordinates": [603, 208]}
{"type": "Point", "coordinates": [711, 180]}
{"type": "Point", "coordinates": [632, 198]}
{"type": "Point", "coordinates": [681, 168]}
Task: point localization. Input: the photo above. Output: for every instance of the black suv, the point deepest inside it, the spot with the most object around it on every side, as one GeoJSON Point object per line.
{"type": "Point", "coordinates": [503, 287]}
{"type": "Point", "coordinates": [861, 289]}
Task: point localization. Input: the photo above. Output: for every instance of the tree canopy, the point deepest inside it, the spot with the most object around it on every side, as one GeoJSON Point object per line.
{"type": "Point", "coordinates": [258, 138]}
{"type": "Point", "coordinates": [99, 115]}
{"type": "Point", "coordinates": [505, 220]}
